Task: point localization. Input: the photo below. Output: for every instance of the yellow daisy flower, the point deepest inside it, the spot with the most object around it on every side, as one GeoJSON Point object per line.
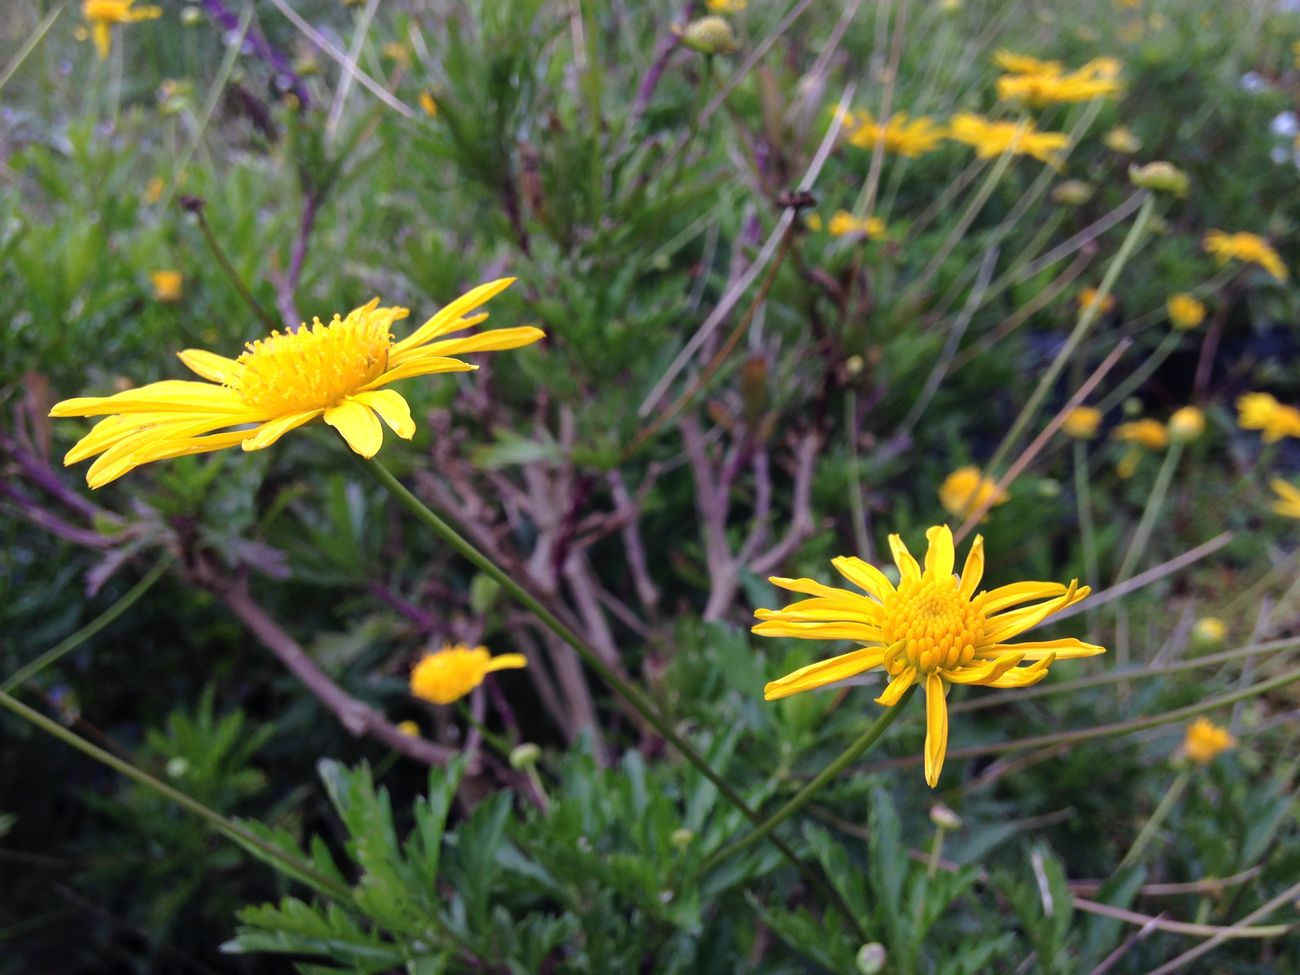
{"type": "Point", "coordinates": [454, 671]}
{"type": "Point", "coordinates": [1205, 741]}
{"type": "Point", "coordinates": [1147, 433]}
{"type": "Point", "coordinates": [899, 136]}
{"type": "Point", "coordinates": [336, 371]}
{"type": "Point", "coordinates": [167, 285]}
{"type": "Point", "coordinates": [1288, 498]}
{"type": "Point", "coordinates": [1024, 64]}
{"type": "Point", "coordinates": [965, 490]}
{"type": "Point", "coordinates": [1082, 422]}
{"type": "Point", "coordinates": [1262, 411]}
{"type": "Point", "coordinates": [1185, 312]}
{"type": "Point", "coordinates": [101, 15]}
{"type": "Point", "coordinates": [1088, 295]}
{"type": "Point", "coordinates": [844, 223]}
{"type": "Point", "coordinates": [1243, 246]}
{"type": "Point", "coordinates": [1096, 79]}
{"type": "Point", "coordinates": [992, 139]}
{"type": "Point", "coordinates": [932, 629]}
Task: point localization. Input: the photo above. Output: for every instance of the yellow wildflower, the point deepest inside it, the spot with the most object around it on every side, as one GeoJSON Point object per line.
{"type": "Point", "coordinates": [1089, 295]}
{"type": "Point", "coordinates": [336, 371]}
{"type": "Point", "coordinates": [844, 223]}
{"type": "Point", "coordinates": [992, 139]}
{"type": "Point", "coordinates": [932, 629]}
{"type": "Point", "coordinates": [409, 728]}
{"type": "Point", "coordinates": [454, 671]}
{"type": "Point", "coordinates": [709, 35]}
{"type": "Point", "coordinates": [1122, 139]}
{"type": "Point", "coordinates": [1243, 246]}
{"type": "Point", "coordinates": [899, 136]}
{"type": "Point", "coordinates": [1147, 433]}
{"type": "Point", "coordinates": [153, 190]}
{"type": "Point", "coordinates": [726, 6]}
{"type": "Point", "coordinates": [428, 104]}
{"type": "Point", "coordinates": [101, 15]}
{"type": "Point", "coordinates": [1051, 86]}
{"type": "Point", "coordinates": [166, 285]}
{"type": "Point", "coordinates": [1205, 741]}
{"type": "Point", "coordinates": [1262, 411]}
{"type": "Point", "coordinates": [965, 490]}
{"type": "Point", "coordinates": [1024, 64]}
{"type": "Point", "coordinates": [1186, 424]}
{"type": "Point", "coordinates": [398, 53]}
{"type": "Point", "coordinates": [1288, 498]}
{"type": "Point", "coordinates": [1185, 312]}
{"type": "Point", "coordinates": [1082, 422]}
{"type": "Point", "coordinates": [1208, 633]}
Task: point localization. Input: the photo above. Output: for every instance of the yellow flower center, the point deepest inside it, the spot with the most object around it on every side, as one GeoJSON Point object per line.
{"type": "Point", "coordinates": [315, 367]}
{"type": "Point", "coordinates": [940, 626]}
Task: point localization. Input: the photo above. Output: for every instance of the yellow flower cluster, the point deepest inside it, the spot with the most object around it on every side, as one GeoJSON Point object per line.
{"type": "Point", "coordinates": [933, 629]}
{"type": "Point", "coordinates": [1246, 247]}
{"type": "Point", "coordinates": [992, 139]}
{"type": "Point", "coordinates": [1039, 83]}
{"type": "Point", "coordinates": [1082, 422]}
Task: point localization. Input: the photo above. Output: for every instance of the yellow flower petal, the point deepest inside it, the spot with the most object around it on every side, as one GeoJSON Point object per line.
{"type": "Point", "coordinates": [272, 430]}
{"type": "Point", "coordinates": [446, 319]}
{"type": "Point", "coordinates": [823, 672]}
{"type": "Point", "coordinates": [907, 566]}
{"type": "Point", "coordinates": [507, 661]}
{"type": "Point", "coordinates": [939, 557]}
{"type": "Point", "coordinates": [207, 364]}
{"type": "Point", "coordinates": [494, 340]}
{"type": "Point", "coordinates": [1067, 648]}
{"type": "Point", "coordinates": [818, 631]}
{"type": "Point", "coordinates": [392, 409]}
{"type": "Point", "coordinates": [973, 571]}
{"type": "Point", "coordinates": [936, 728]}
{"type": "Point", "coordinates": [897, 687]}
{"type": "Point", "coordinates": [358, 425]}
{"type": "Point", "coordinates": [864, 575]}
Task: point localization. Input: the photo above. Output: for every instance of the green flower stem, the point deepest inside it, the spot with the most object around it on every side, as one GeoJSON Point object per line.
{"type": "Point", "coordinates": [264, 316]}
{"type": "Point", "coordinates": [639, 702]}
{"type": "Point", "coordinates": [845, 759]}
{"type": "Point", "coordinates": [1149, 514]}
{"type": "Point", "coordinates": [290, 865]}
{"type": "Point", "coordinates": [1081, 329]}
{"type": "Point", "coordinates": [1171, 796]}
{"type": "Point", "coordinates": [66, 646]}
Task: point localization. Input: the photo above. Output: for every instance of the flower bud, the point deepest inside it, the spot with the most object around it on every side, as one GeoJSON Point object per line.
{"type": "Point", "coordinates": [1121, 139]}
{"type": "Point", "coordinates": [709, 35]}
{"type": "Point", "coordinates": [1162, 177]}
{"type": "Point", "coordinates": [1185, 312]}
{"type": "Point", "coordinates": [871, 958]}
{"type": "Point", "coordinates": [524, 756]}
{"type": "Point", "coordinates": [177, 766]}
{"type": "Point", "coordinates": [854, 365]}
{"type": "Point", "coordinates": [1186, 425]}
{"type": "Point", "coordinates": [409, 728]}
{"type": "Point", "coordinates": [943, 817]}
{"type": "Point", "coordinates": [682, 838]}
{"type": "Point", "coordinates": [191, 16]}
{"type": "Point", "coordinates": [1208, 634]}
{"type": "Point", "coordinates": [1072, 192]}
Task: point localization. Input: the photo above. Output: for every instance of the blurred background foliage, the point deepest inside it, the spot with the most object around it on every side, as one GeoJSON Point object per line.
{"type": "Point", "coordinates": [641, 192]}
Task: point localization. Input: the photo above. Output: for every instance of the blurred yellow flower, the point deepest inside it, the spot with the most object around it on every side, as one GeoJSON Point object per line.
{"type": "Point", "coordinates": [727, 6]}
{"type": "Point", "coordinates": [166, 285]}
{"type": "Point", "coordinates": [1262, 411]}
{"type": "Point", "coordinates": [1248, 247]}
{"type": "Point", "coordinates": [992, 139]}
{"type": "Point", "coordinates": [843, 223]}
{"type": "Point", "coordinates": [397, 52]}
{"type": "Point", "coordinates": [1089, 295]}
{"type": "Point", "coordinates": [1082, 422]}
{"type": "Point", "coordinates": [965, 490]}
{"type": "Point", "coordinates": [429, 104]}
{"type": "Point", "coordinates": [409, 728]}
{"type": "Point", "coordinates": [1146, 433]}
{"type": "Point", "coordinates": [1288, 498]}
{"type": "Point", "coordinates": [101, 15]}
{"type": "Point", "coordinates": [153, 190]}
{"type": "Point", "coordinates": [1205, 741]}
{"type": "Point", "coordinates": [1121, 139]}
{"type": "Point", "coordinates": [1185, 312]}
{"type": "Point", "coordinates": [452, 672]}
{"type": "Point", "coordinates": [1186, 424]}
{"type": "Point", "coordinates": [1024, 64]}
{"type": "Point", "coordinates": [1046, 83]}
{"type": "Point", "coordinates": [336, 371]}
{"type": "Point", "coordinates": [1208, 633]}
{"type": "Point", "coordinates": [932, 629]}
{"type": "Point", "coordinates": [899, 135]}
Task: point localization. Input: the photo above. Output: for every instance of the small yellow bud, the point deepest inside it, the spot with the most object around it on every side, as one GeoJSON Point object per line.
{"type": "Point", "coordinates": [166, 285]}
{"type": "Point", "coordinates": [682, 838]}
{"type": "Point", "coordinates": [1072, 192]}
{"type": "Point", "coordinates": [1162, 177]}
{"type": "Point", "coordinates": [854, 365]}
{"type": "Point", "coordinates": [709, 35]}
{"type": "Point", "coordinates": [1208, 634]}
{"type": "Point", "coordinates": [1185, 312]}
{"type": "Point", "coordinates": [1205, 741]}
{"type": "Point", "coordinates": [1082, 422]}
{"type": "Point", "coordinates": [1186, 425]}
{"type": "Point", "coordinates": [191, 16]}
{"type": "Point", "coordinates": [409, 728]}
{"type": "Point", "coordinates": [524, 756]}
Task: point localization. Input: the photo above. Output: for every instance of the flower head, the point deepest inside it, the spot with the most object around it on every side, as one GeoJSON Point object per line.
{"type": "Point", "coordinates": [428, 104]}
{"type": "Point", "coordinates": [337, 371]}
{"type": "Point", "coordinates": [1039, 83]}
{"type": "Point", "coordinates": [1208, 633]}
{"type": "Point", "coordinates": [1243, 246]}
{"type": "Point", "coordinates": [1025, 64]}
{"type": "Point", "coordinates": [1186, 424]}
{"type": "Point", "coordinates": [899, 135]}
{"type": "Point", "coordinates": [966, 490]}
{"type": "Point", "coordinates": [1185, 312]}
{"type": "Point", "coordinates": [1122, 139]}
{"type": "Point", "coordinates": [1082, 422]}
{"type": "Point", "coordinates": [932, 629]}
{"type": "Point", "coordinates": [101, 15]}
{"type": "Point", "coordinates": [726, 6]}
{"type": "Point", "coordinates": [1288, 498]}
{"type": "Point", "coordinates": [1262, 411]}
{"type": "Point", "coordinates": [1147, 433]}
{"type": "Point", "coordinates": [409, 728]}
{"type": "Point", "coordinates": [1162, 177]}
{"type": "Point", "coordinates": [450, 673]}
{"type": "Point", "coordinates": [992, 139]}
{"type": "Point", "coordinates": [844, 223]}
{"type": "Point", "coordinates": [166, 285]}
{"type": "Point", "coordinates": [709, 35]}
{"type": "Point", "coordinates": [1205, 741]}
{"type": "Point", "coordinates": [1088, 296]}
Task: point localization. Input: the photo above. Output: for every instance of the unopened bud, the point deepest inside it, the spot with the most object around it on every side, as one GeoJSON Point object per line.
{"type": "Point", "coordinates": [524, 756]}
{"type": "Point", "coordinates": [1072, 192]}
{"type": "Point", "coordinates": [177, 767]}
{"type": "Point", "coordinates": [1162, 177]}
{"type": "Point", "coordinates": [871, 958]}
{"type": "Point", "coordinates": [943, 817]}
{"type": "Point", "coordinates": [709, 35]}
{"type": "Point", "coordinates": [191, 16]}
{"type": "Point", "coordinates": [854, 365]}
{"type": "Point", "coordinates": [1208, 633]}
{"type": "Point", "coordinates": [682, 838]}
{"type": "Point", "coordinates": [1186, 425]}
